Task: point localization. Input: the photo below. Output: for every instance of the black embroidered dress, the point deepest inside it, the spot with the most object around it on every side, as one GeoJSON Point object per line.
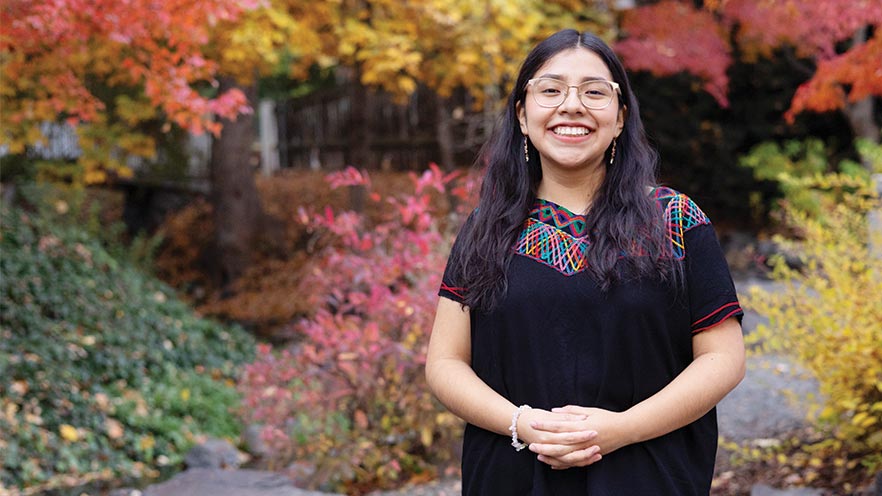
{"type": "Point", "coordinates": [554, 339]}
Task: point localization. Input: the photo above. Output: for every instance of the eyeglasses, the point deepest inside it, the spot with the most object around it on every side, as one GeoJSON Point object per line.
{"type": "Point", "coordinates": [595, 94]}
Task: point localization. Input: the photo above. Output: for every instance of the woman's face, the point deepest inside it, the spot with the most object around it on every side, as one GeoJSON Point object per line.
{"type": "Point", "coordinates": [571, 136]}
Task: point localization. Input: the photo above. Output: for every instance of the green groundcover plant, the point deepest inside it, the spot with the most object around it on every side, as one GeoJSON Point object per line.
{"type": "Point", "coordinates": [103, 371]}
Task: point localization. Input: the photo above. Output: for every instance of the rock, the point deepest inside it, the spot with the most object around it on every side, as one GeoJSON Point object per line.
{"type": "Point", "coordinates": [127, 491]}
{"type": "Point", "coordinates": [301, 473]}
{"type": "Point", "coordinates": [764, 490]}
{"type": "Point", "coordinates": [214, 482]}
{"type": "Point", "coordinates": [253, 442]}
{"type": "Point", "coordinates": [442, 487]}
{"type": "Point", "coordinates": [213, 453]}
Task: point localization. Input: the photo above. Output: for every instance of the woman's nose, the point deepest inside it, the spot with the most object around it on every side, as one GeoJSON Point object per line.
{"type": "Point", "coordinates": [571, 101]}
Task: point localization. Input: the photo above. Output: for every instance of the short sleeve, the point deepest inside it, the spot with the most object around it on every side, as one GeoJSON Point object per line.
{"type": "Point", "coordinates": [712, 296]}
{"type": "Point", "coordinates": [451, 283]}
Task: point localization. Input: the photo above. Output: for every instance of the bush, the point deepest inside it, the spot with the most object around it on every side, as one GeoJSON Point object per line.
{"type": "Point", "coordinates": [808, 180]}
{"type": "Point", "coordinates": [103, 372]}
{"type": "Point", "coordinates": [827, 315]}
{"type": "Point", "coordinates": [261, 298]}
{"type": "Point", "coordinates": [351, 397]}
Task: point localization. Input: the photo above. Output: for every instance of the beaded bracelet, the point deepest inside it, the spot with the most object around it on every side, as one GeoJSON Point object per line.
{"type": "Point", "coordinates": [513, 428]}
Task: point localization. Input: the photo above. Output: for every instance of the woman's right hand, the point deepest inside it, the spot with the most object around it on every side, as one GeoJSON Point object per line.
{"type": "Point", "coordinates": [572, 442]}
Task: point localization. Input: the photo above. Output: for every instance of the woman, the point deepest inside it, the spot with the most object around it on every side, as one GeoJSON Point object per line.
{"type": "Point", "coordinates": [586, 313]}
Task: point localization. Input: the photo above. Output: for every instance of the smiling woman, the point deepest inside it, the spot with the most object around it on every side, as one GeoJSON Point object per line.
{"type": "Point", "coordinates": [586, 312]}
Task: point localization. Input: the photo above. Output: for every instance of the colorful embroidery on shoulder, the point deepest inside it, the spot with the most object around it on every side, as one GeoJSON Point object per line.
{"type": "Point", "coordinates": [680, 215]}
{"type": "Point", "coordinates": [555, 237]}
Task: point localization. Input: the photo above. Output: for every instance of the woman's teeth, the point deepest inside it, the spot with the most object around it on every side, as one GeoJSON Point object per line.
{"type": "Point", "coordinates": [571, 131]}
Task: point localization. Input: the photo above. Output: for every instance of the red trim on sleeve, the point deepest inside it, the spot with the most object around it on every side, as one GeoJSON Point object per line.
{"type": "Point", "coordinates": [730, 313]}
{"type": "Point", "coordinates": [455, 291]}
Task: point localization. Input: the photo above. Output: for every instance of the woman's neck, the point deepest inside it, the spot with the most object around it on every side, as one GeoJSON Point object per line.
{"type": "Point", "coordinates": [573, 190]}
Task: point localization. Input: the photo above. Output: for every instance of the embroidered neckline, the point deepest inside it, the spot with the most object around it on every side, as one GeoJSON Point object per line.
{"type": "Point", "coordinates": [560, 217]}
{"type": "Point", "coordinates": [557, 237]}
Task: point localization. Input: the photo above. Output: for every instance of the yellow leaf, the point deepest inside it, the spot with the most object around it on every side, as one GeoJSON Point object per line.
{"type": "Point", "coordinates": [426, 436]}
{"type": "Point", "coordinates": [147, 443]}
{"type": "Point", "coordinates": [95, 177]}
{"type": "Point", "coordinates": [19, 387]}
{"type": "Point", "coordinates": [859, 418]}
{"type": "Point", "coordinates": [185, 394]}
{"type": "Point", "coordinates": [114, 428]}
{"type": "Point", "coordinates": [69, 433]}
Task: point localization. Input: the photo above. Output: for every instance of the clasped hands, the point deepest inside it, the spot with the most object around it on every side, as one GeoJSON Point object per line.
{"type": "Point", "coordinates": [572, 436]}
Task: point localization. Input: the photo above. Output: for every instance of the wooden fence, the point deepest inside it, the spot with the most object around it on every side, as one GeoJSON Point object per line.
{"type": "Point", "coordinates": [315, 131]}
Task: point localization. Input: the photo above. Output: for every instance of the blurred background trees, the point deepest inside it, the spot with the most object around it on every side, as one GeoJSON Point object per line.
{"type": "Point", "coordinates": [714, 78]}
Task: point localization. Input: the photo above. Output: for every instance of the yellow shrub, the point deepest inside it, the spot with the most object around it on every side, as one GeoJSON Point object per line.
{"type": "Point", "coordinates": [828, 315]}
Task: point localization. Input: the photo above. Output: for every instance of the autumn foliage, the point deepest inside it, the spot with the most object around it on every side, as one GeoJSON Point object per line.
{"type": "Point", "coordinates": [59, 57]}
{"type": "Point", "coordinates": [452, 44]}
{"type": "Point", "coordinates": [670, 37]}
{"type": "Point", "coordinates": [827, 90]}
{"type": "Point", "coordinates": [673, 36]}
{"type": "Point", "coordinates": [822, 316]}
{"type": "Point", "coordinates": [350, 398]}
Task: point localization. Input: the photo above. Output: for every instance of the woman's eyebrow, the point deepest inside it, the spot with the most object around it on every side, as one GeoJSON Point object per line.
{"type": "Point", "coordinates": [560, 77]}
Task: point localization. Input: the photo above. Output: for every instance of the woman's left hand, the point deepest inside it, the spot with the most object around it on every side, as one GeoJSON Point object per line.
{"type": "Point", "coordinates": [612, 434]}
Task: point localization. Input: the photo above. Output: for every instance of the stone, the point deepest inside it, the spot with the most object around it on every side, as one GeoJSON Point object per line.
{"type": "Point", "coordinates": [215, 482]}
{"type": "Point", "coordinates": [764, 490]}
{"type": "Point", "coordinates": [126, 491]}
{"type": "Point", "coordinates": [253, 441]}
{"type": "Point", "coordinates": [213, 453]}
{"type": "Point", "coordinates": [301, 473]}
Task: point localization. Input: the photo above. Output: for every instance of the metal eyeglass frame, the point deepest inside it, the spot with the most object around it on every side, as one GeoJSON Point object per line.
{"type": "Point", "coordinates": [614, 85]}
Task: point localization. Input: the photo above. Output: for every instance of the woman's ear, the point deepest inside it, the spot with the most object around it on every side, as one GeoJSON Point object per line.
{"type": "Point", "coordinates": [620, 120]}
{"type": "Point", "coordinates": [522, 117]}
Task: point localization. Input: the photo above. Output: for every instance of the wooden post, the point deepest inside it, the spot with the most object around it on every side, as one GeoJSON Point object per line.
{"type": "Point", "coordinates": [269, 137]}
{"type": "Point", "coordinates": [874, 219]}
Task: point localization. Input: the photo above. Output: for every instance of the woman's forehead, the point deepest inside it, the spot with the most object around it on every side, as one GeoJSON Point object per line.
{"type": "Point", "coordinates": [574, 65]}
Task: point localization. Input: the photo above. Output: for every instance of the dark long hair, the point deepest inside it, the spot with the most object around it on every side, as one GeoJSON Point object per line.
{"type": "Point", "coordinates": [622, 213]}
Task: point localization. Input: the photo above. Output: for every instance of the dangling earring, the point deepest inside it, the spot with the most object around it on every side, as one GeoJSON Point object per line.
{"type": "Point", "coordinates": [526, 150]}
{"type": "Point", "coordinates": [612, 154]}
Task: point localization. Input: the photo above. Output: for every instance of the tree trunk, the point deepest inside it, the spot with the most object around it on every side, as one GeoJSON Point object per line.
{"type": "Point", "coordinates": [860, 114]}
{"type": "Point", "coordinates": [444, 132]}
{"type": "Point", "coordinates": [236, 207]}
{"type": "Point", "coordinates": [360, 135]}
{"type": "Point", "coordinates": [860, 118]}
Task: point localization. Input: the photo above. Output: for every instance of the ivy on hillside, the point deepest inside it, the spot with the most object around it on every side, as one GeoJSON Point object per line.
{"type": "Point", "coordinates": [103, 371]}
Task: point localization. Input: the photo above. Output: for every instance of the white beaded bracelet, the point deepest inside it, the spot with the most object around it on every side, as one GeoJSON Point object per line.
{"type": "Point", "coordinates": [513, 428]}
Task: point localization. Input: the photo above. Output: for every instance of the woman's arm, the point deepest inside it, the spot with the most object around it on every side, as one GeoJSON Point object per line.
{"type": "Point", "coordinates": [718, 366]}
{"type": "Point", "coordinates": [454, 382]}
